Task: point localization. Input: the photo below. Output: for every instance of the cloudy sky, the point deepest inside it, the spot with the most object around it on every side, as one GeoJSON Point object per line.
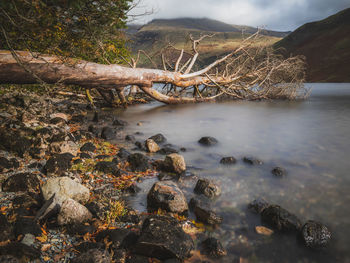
{"type": "Point", "coordinates": [271, 14]}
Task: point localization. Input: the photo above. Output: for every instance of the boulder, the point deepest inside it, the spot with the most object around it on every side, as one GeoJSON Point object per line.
{"type": "Point", "coordinates": [66, 188]}
{"type": "Point", "coordinates": [138, 162]}
{"type": "Point", "coordinates": [163, 238]}
{"type": "Point", "coordinates": [123, 154]}
{"type": "Point", "coordinates": [208, 141]}
{"type": "Point", "coordinates": [151, 146]}
{"type": "Point", "coordinates": [315, 235]}
{"type": "Point", "coordinates": [213, 248]}
{"type": "Point", "coordinates": [174, 163]}
{"type": "Point", "coordinates": [93, 256]}
{"type": "Point", "coordinates": [72, 212]}
{"type": "Point", "coordinates": [207, 188]}
{"type": "Point", "coordinates": [280, 219]}
{"type": "Point", "coordinates": [252, 160]}
{"type": "Point", "coordinates": [279, 171]}
{"type": "Point", "coordinates": [158, 138]}
{"type": "Point", "coordinates": [88, 147]}
{"type": "Point", "coordinates": [22, 182]}
{"type": "Point", "coordinates": [228, 160]}
{"type": "Point", "coordinates": [167, 196]}
{"type": "Point", "coordinates": [107, 133]}
{"type": "Point", "coordinates": [58, 164]}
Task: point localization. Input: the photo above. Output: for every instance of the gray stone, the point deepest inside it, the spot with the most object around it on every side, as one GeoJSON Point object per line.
{"type": "Point", "coordinates": [73, 213]}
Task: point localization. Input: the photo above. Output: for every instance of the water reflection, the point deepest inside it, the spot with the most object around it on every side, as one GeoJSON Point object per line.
{"type": "Point", "coordinates": [308, 138]}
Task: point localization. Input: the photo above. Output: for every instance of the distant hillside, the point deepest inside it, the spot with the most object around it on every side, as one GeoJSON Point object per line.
{"type": "Point", "coordinates": [326, 46]}
{"type": "Point", "coordinates": [153, 36]}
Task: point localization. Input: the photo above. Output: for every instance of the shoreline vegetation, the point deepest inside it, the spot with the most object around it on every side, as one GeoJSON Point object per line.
{"type": "Point", "coordinates": [67, 169]}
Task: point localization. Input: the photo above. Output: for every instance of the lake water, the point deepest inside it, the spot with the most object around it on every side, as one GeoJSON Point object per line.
{"type": "Point", "coordinates": [310, 139]}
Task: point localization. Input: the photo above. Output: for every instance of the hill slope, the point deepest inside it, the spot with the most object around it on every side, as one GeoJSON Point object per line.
{"type": "Point", "coordinates": [155, 35]}
{"type": "Point", "coordinates": [326, 46]}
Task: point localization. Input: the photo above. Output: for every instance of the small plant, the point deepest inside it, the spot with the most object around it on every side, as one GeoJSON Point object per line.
{"type": "Point", "coordinates": [117, 209]}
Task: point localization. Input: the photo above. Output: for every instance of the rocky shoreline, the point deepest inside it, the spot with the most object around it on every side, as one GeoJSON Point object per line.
{"type": "Point", "coordinates": [63, 185]}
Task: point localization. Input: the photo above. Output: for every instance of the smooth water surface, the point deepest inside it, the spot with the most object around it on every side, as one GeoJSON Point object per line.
{"type": "Point", "coordinates": [310, 139]}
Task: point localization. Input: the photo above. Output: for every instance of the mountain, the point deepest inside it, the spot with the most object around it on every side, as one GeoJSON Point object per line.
{"type": "Point", "coordinates": [158, 33]}
{"type": "Point", "coordinates": [326, 46]}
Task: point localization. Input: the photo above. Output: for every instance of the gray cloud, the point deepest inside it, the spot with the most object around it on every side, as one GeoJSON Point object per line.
{"type": "Point", "coordinates": [272, 14]}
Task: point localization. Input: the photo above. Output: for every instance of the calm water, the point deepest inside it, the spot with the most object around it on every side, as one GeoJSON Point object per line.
{"type": "Point", "coordinates": [311, 139]}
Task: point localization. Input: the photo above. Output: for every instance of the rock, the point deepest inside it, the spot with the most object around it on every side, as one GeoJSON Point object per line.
{"type": "Point", "coordinates": [174, 163]}
{"type": "Point", "coordinates": [120, 237]}
{"type": "Point", "coordinates": [93, 256]}
{"type": "Point", "coordinates": [12, 141]}
{"type": "Point", "coordinates": [228, 160]}
{"type": "Point", "coordinates": [167, 150]}
{"type": "Point", "coordinates": [279, 171]}
{"type": "Point", "coordinates": [73, 213]}
{"type": "Point", "coordinates": [151, 146]}
{"type": "Point", "coordinates": [280, 219]}
{"type": "Point", "coordinates": [315, 235]}
{"type": "Point", "coordinates": [84, 155]}
{"type": "Point", "coordinates": [64, 147]}
{"type": "Point", "coordinates": [108, 168]}
{"type": "Point", "coordinates": [52, 134]}
{"type": "Point", "coordinates": [163, 238]}
{"type": "Point", "coordinates": [138, 162]}
{"type": "Point", "coordinates": [167, 196]}
{"type": "Point", "coordinates": [58, 121]}
{"type": "Point", "coordinates": [8, 164]}
{"type": "Point", "coordinates": [18, 249]}
{"type": "Point", "coordinates": [80, 229]}
{"type": "Point", "coordinates": [5, 229]}
{"type": "Point", "coordinates": [94, 130]}
{"type": "Point", "coordinates": [213, 248]}
{"type": "Point", "coordinates": [58, 164]}
{"type": "Point", "coordinates": [102, 157]}
{"type": "Point", "coordinates": [59, 115]}
{"type": "Point", "coordinates": [66, 188]}
{"type": "Point", "coordinates": [120, 255]}
{"type": "Point", "coordinates": [21, 182]}
{"type": "Point", "coordinates": [123, 154]}
{"type": "Point", "coordinates": [208, 141]}
{"type": "Point", "coordinates": [252, 160]}
{"type": "Point", "coordinates": [28, 240]}
{"type": "Point", "coordinates": [8, 259]}
{"type": "Point", "coordinates": [85, 246]}
{"type": "Point", "coordinates": [88, 147]}
{"type": "Point", "coordinates": [258, 205]}
{"type": "Point", "coordinates": [24, 226]}
{"type": "Point", "coordinates": [207, 188]}
{"type": "Point", "coordinates": [261, 230]}
{"type": "Point", "coordinates": [140, 146]}
{"type": "Point", "coordinates": [158, 138]}
{"type": "Point", "coordinates": [107, 133]}
{"type": "Point", "coordinates": [206, 215]}
{"type": "Point", "coordinates": [130, 138]}
{"type": "Point", "coordinates": [118, 122]}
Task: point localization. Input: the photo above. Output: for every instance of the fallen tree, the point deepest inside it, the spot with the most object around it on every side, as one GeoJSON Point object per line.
{"type": "Point", "coordinates": [245, 73]}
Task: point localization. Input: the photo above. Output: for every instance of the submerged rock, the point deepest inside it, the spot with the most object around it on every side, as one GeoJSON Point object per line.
{"type": "Point", "coordinates": [163, 238]}
{"type": "Point", "coordinates": [22, 182]}
{"type": "Point", "coordinates": [280, 219]}
{"type": "Point", "coordinates": [315, 235]}
{"type": "Point", "coordinates": [151, 146]}
{"type": "Point", "coordinates": [174, 163]}
{"type": "Point", "coordinates": [208, 141]}
{"type": "Point", "coordinates": [138, 162]}
{"type": "Point", "coordinates": [228, 160]}
{"type": "Point", "coordinates": [167, 196]}
{"type": "Point", "coordinates": [123, 154]}
{"type": "Point", "coordinates": [258, 205]}
{"type": "Point", "coordinates": [213, 248]}
{"type": "Point", "coordinates": [119, 122]}
{"type": "Point", "coordinates": [107, 133]}
{"type": "Point", "coordinates": [279, 171]}
{"type": "Point", "coordinates": [207, 216]}
{"type": "Point", "coordinates": [252, 160]}
{"type": "Point", "coordinates": [158, 138]}
{"type": "Point", "coordinates": [207, 188]}
{"type": "Point", "coordinates": [167, 150]}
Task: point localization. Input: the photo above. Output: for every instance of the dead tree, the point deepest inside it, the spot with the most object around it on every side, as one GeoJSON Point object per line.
{"type": "Point", "coordinates": [246, 73]}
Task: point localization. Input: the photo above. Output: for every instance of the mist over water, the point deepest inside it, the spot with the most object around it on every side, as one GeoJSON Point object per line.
{"type": "Point", "coordinates": [310, 139]}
